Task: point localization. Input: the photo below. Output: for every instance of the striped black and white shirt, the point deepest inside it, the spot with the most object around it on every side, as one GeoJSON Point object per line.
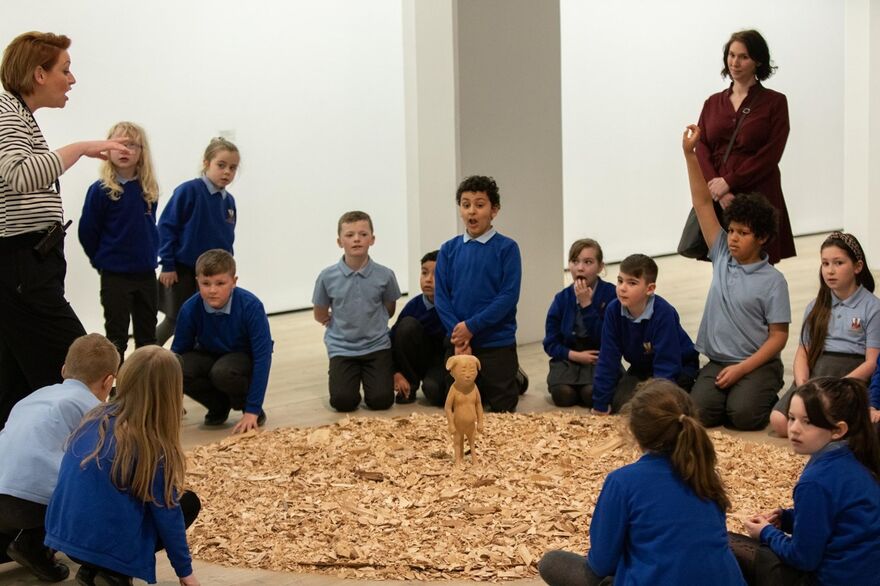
{"type": "Point", "coordinates": [28, 171]}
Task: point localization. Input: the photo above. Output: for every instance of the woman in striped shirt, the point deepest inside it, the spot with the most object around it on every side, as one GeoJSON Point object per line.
{"type": "Point", "coordinates": [37, 323]}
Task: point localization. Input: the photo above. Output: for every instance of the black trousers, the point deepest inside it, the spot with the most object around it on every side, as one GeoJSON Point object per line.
{"type": "Point", "coordinates": [218, 381]}
{"type": "Point", "coordinates": [37, 324]}
{"type": "Point", "coordinates": [172, 298]}
{"type": "Point", "coordinates": [190, 505]}
{"type": "Point", "coordinates": [23, 519]}
{"type": "Point", "coordinates": [129, 297]}
{"type": "Point", "coordinates": [374, 370]}
{"type": "Point", "coordinates": [497, 382]}
{"type": "Point", "coordinates": [761, 567]}
{"type": "Point", "coordinates": [419, 357]}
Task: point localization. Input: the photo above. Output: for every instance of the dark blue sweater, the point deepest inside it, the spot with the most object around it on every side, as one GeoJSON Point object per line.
{"type": "Point", "coordinates": [195, 221]}
{"type": "Point", "coordinates": [835, 522]}
{"type": "Point", "coordinates": [560, 325]}
{"type": "Point", "coordinates": [92, 520]}
{"type": "Point", "coordinates": [649, 527]}
{"type": "Point", "coordinates": [244, 329]}
{"type": "Point", "coordinates": [479, 284]}
{"type": "Point", "coordinates": [658, 347]}
{"type": "Point", "coordinates": [875, 386]}
{"type": "Point", "coordinates": [429, 319]}
{"type": "Point", "coordinates": [119, 236]}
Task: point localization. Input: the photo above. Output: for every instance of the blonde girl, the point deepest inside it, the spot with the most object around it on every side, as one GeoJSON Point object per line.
{"type": "Point", "coordinates": [660, 520]}
{"type": "Point", "coordinates": [841, 331]}
{"type": "Point", "coordinates": [118, 233]}
{"type": "Point", "coordinates": [120, 496]}
{"type": "Point", "coordinates": [200, 216]}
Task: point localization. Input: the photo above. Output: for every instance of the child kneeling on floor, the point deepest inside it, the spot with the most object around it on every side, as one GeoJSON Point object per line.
{"type": "Point", "coordinates": [660, 520]}
{"type": "Point", "coordinates": [120, 496]}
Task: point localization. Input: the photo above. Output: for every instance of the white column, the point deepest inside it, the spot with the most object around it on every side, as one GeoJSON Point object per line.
{"type": "Point", "coordinates": [862, 125]}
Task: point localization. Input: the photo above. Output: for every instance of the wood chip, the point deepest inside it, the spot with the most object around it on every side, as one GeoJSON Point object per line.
{"type": "Point", "coordinates": [379, 499]}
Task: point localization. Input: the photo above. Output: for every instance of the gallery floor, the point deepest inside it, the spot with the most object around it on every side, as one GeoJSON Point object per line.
{"type": "Point", "coordinates": [297, 394]}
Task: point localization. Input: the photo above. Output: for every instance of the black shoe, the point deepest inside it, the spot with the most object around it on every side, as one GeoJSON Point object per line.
{"type": "Point", "coordinates": [219, 417]}
{"type": "Point", "coordinates": [522, 380]}
{"type": "Point", "coordinates": [401, 400]}
{"type": "Point", "coordinates": [261, 418]}
{"type": "Point", "coordinates": [85, 576]}
{"type": "Point", "coordinates": [41, 562]}
{"type": "Point", "coordinates": [105, 578]}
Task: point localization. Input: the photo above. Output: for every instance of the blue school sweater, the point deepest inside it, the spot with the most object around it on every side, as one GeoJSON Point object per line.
{"type": "Point", "coordinates": [649, 527]}
{"type": "Point", "coordinates": [193, 221]}
{"type": "Point", "coordinates": [560, 325]}
{"type": "Point", "coordinates": [244, 329]}
{"type": "Point", "coordinates": [119, 236]}
{"type": "Point", "coordinates": [835, 522]}
{"type": "Point", "coordinates": [92, 520]}
{"type": "Point", "coordinates": [429, 319]}
{"type": "Point", "coordinates": [657, 346]}
{"type": "Point", "coordinates": [875, 386]}
{"type": "Point", "coordinates": [478, 283]}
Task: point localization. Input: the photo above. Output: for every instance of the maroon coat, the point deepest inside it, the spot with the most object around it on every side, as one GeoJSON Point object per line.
{"type": "Point", "coordinates": [753, 164]}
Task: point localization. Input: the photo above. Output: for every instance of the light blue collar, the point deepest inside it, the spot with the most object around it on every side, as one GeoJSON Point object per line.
{"type": "Point", "coordinates": [428, 305]}
{"type": "Point", "coordinates": [123, 180]}
{"type": "Point", "coordinates": [829, 447]}
{"type": "Point", "coordinates": [227, 309]}
{"type": "Point", "coordinates": [213, 189]}
{"type": "Point", "coordinates": [482, 238]}
{"type": "Point", "coordinates": [649, 311]}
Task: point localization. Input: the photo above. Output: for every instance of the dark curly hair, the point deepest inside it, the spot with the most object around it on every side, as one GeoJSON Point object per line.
{"type": "Point", "coordinates": [479, 183]}
{"type": "Point", "coordinates": [758, 51]}
{"type": "Point", "coordinates": [753, 210]}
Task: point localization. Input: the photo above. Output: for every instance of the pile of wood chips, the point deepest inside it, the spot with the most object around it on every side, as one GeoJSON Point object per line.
{"type": "Point", "coordinates": [377, 498]}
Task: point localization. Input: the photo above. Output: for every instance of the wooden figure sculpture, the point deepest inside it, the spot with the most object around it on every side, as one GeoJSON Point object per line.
{"type": "Point", "coordinates": [464, 411]}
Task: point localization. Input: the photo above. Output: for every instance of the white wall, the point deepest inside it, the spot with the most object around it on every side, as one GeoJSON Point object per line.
{"type": "Point", "coordinates": [635, 72]}
{"type": "Point", "coordinates": [313, 92]}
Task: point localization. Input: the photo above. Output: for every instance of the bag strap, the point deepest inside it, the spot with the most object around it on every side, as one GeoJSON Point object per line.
{"type": "Point", "coordinates": [739, 123]}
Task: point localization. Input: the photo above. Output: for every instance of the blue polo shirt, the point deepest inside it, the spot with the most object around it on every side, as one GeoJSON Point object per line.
{"type": "Point", "coordinates": [743, 301]}
{"type": "Point", "coordinates": [32, 443]}
{"type": "Point", "coordinates": [358, 317]}
{"type": "Point", "coordinates": [854, 324]}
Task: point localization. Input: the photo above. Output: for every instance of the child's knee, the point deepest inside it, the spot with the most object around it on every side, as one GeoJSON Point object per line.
{"type": "Point", "coordinates": [564, 395]}
{"type": "Point", "coordinates": [379, 401]}
{"type": "Point", "coordinates": [748, 417]}
{"type": "Point", "coordinates": [779, 423]}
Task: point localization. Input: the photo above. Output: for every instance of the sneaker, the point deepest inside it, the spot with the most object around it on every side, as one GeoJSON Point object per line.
{"type": "Point", "coordinates": [214, 418]}
{"type": "Point", "coordinates": [261, 418]}
{"type": "Point", "coordinates": [522, 379]}
{"type": "Point", "coordinates": [40, 562]}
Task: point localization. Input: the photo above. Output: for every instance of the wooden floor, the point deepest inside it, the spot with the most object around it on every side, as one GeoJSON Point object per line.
{"type": "Point", "coordinates": [297, 394]}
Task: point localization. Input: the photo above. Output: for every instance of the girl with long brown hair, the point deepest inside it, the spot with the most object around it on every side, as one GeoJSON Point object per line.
{"type": "Point", "coordinates": [660, 520]}
{"type": "Point", "coordinates": [120, 495]}
{"type": "Point", "coordinates": [841, 331]}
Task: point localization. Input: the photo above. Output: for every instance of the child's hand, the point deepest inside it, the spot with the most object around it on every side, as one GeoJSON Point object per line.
{"type": "Point", "coordinates": [463, 349]}
{"type": "Point", "coordinates": [875, 415]}
{"type": "Point", "coordinates": [168, 278]}
{"type": "Point", "coordinates": [690, 138]}
{"type": "Point", "coordinates": [247, 422]}
{"type": "Point", "coordinates": [401, 385]}
{"type": "Point", "coordinates": [755, 525]}
{"type": "Point", "coordinates": [729, 376]}
{"type": "Point", "coordinates": [773, 517]}
{"type": "Point", "coordinates": [584, 356]}
{"type": "Point", "coordinates": [190, 580]}
{"type": "Point", "coordinates": [461, 335]}
{"type": "Point", "coordinates": [583, 293]}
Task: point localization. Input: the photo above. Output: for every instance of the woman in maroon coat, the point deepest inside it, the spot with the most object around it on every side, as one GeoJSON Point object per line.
{"type": "Point", "coordinates": [753, 162]}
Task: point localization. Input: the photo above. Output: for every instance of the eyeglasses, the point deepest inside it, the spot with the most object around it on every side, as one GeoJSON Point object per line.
{"type": "Point", "coordinates": [132, 146]}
